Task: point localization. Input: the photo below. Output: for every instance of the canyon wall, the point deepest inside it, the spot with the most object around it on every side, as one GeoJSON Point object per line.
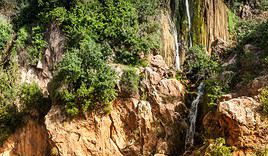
{"type": "Point", "coordinates": [209, 20]}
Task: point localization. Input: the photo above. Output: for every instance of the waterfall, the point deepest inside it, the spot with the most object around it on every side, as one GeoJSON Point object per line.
{"type": "Point", "coordinates": [177, 49]}
{"type": "Point", "coordinates": [176, 43]}
{"type": "Point", "coordinates": [192, 116]}
{"type": "Point", "coordinates": [189, 22]}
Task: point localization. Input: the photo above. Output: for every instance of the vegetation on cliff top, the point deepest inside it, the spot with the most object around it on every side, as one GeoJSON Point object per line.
{"type": "Point", "coordinates": [97, 33]}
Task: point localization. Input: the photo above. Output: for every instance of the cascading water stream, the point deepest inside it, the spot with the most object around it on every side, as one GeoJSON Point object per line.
{"type": "Point", "coordinates": [176, 43]}
{"type": "Point", "coordinates": [189, 141]}
{"type": "Point", "coordinates": [189, 22]}
{"type": "Point", "coordinates": [177, 58]}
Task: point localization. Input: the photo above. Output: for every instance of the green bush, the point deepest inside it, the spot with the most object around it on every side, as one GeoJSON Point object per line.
{"type": "Point", "coordinates": [84, 80]}
{"type": "Point", "coordinates": [219, 148]}
{"type": "Point", "coordinates": [114, 23]}
{"type": "Point", "coordinates": [199, 65]}
{"type": "Point", "coordinates": [5, 32]}
{"type": "Point", "coordinates": [32, 98]}
{"type": "Point", "coordinates": [38, 43]}
{"type": "Point", "coordinates": [129, 83]}
{"type": "Point", "coordinates": [264, 99]}
{"type": "Point", "coordinates": [214, 89]}
{"type": "Point", "coordinates": [9, 119]}
{"type": "Point", "coordinates": [22, 37]}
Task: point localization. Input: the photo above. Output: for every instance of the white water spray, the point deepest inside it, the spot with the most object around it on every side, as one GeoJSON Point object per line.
{"type": "Point", "coordinates": [189, 22]}
{"type": "Point", "coordinates": [189, 141]}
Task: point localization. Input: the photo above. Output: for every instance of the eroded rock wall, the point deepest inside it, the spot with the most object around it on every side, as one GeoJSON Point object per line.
{"type": "Point", "coordinates": [209, 23]}
{"type": "Point", "coordinates": [135, 127]}
{"type": "Point", "coordinates": [32, 140]}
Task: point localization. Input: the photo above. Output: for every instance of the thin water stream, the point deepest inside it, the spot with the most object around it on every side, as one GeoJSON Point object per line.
{"type": "Point", "coordinates": [189, 22]}
{"type": "Point", "coordinates": [189, 141]}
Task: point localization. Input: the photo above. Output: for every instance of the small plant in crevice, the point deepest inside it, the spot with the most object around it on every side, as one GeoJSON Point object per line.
{"type": "Point", "coordinates": [264, 99]}
{"type": "Point", "coordinates": [214, 89]}
{"type": "Point", "coordinates": [219, 148]}
{"type": "Point", "coordinates": [129, 83]}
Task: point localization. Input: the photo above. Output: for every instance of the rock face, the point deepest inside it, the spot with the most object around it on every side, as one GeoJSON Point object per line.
{"type": "Point", "coordinates": [153, 124]}
{"type": "Point", "coordinates": [241, 122]}
{"type": "Point", "coordinates": [167, 39]}
{"type": "Point", "coordinates": [135, 126]}
{"type": "Point", "coordinates": [209, 24]}
{"type": "Point", "coordinates": [253, 88]}
{"type": "Point", "coordinates": [31, 140]}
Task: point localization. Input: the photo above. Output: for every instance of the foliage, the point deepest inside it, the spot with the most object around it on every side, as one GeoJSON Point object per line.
{"type": "Point", "coordinates": [263, 4]}
{"type": "Point", "coordinates": [129, 83]}
{"type": "Point", "coordinates": [32, 98]}
{"type": "Point", "coordinates": [232, 21]}
{"type": "Point", "coordinates": [8, 113]}
{"type": "Point", "coordinates": [214, 90]}
{"type": "Point", "coordinates": [199, 65]}
{"type": "Point", "coordinates": [264, 99]}
{"type": "Point", "coordinates": [22, 37]}
{"type": "Point", "coordinates": [113, 23]}
{"type": "Point", "coordinates": [252, 60]}
{"type": "Point", "coordinates": [261, 152]}
{"type": "Point", "coordinates": [219, 148]}
{"type": "Point", "coordinates": [145, 8]}
{"type": "Point", "coordinates": [82, 77]}
{"type": "Point", "coordinates": [5, 32]}
{"type": "Point", "coordinates": [38, 44]}
{"type": "Point", "coordinates": [254, 32]}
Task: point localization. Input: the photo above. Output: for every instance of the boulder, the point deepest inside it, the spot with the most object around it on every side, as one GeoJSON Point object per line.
{"type": "Point", "coordinates": [241, 122]}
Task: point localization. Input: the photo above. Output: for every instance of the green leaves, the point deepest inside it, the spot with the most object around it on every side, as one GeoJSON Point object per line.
{"type": "Point", "coordinates": [199, 64]}
{"type": "Point", "coordinates": [32, 98]}
{"type": "Point", "coordinates": [129, 83]}
{"type": "Point", "coordinates": [85, 79]}
{"type": "Point", "coordinates": [5, 32]}
{"type": "Point", "coordinates": [218, 148]}
{"type": "Point", "coordinates": [264, 99]}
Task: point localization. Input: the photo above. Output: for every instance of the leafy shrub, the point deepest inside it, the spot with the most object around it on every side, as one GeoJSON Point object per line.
{"type": "Point", "coordinates": [263, 4]}
{"type": "Point", "coordinates": [5, 32]}
{"type": "Point", "coordinates": [264, 99]}
{"type": "Point", "coordinates": [38, 44]}
{"type": "Point", "coordinates": [8, 112]}
{"type": "Point", "coordinates": [199, 65]}
{"type": "Point", "coordinates": [219, 148]}
{"type": "Point", "coordinates": [113, 23]}
{"type": "Point", "coordinates": [22, 37]}
{"type": "Point", "coordinates": [32, 98]}
{"type": "Point", "coordinates": [254, 32]}
{"type": "Point", "coordinates": [84, 80]}
{"type": "Point", "coordinates": [129, 83]}
{"type": "Point", "coordinates": [214, 89]}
